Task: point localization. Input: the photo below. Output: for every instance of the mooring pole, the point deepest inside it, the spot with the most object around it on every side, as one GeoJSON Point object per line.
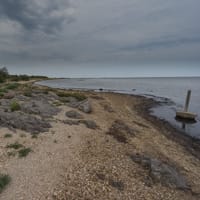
{"type": "Point", "coordinates": [187, 100]}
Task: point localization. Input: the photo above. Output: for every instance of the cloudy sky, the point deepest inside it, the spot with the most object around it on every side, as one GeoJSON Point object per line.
{"type": "Point", "coordinates": [100, 37]}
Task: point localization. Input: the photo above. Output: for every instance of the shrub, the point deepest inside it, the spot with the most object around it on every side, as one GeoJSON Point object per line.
{"type": "Point", "coordinates": [14, 106]}
{"type": "Point", "coordinates": [19, 77]}
{"type": "Point", "coordinates": [4, 181]}
{"type": "Point", "coordinates": [24, 77]}
{"type": "Point", "coordinates": [12, 86]}
{"type": "Point", "coordinates": [34, 136]}
{"type": "Point", "coordinates": [3, 74]}
{"type": "Point", "coordinates": [7, 135]}
{"type": "Point", "coordinates": [28, 93]}
{"type": "Point", "coordinates": [24, 152]}
{"type": "Point", "coordinates": [15, 145]}
{"type": "Point", "coordinates": [3, 90]}
{"type": "Point", "coordinates": [78, 96]}
{"type": "Point", "coordinates": [22, 135]}
{"type": "Point", "coordinates": [11, 153]}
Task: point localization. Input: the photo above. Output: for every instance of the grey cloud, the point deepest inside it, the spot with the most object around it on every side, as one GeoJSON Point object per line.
{"type": "Point", "coordinates": [106, 31]}
{"type": "Point", "coordinates": [162, 43]}
{"type": "Point", "coordinates": [46, 15]}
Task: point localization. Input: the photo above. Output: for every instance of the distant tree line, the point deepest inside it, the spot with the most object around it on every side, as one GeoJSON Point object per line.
{"type": "Point", "coordinates": [4, 75]}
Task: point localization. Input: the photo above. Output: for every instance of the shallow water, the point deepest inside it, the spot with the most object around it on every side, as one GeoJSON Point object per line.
{"type": "Point", "coordinates": [170, 92]}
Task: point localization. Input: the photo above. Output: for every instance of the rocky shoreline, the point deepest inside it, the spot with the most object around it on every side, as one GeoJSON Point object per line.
{"type": "Point", "coordinates": [190, 143]}
{"type": "Point", "coordinates": [88, 145]}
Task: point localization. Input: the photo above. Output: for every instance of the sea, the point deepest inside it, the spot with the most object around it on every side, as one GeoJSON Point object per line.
{"type": "Point", "coordinates": [169, 92]}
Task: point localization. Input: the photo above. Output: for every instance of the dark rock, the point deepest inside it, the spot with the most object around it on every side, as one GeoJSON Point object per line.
{"type": "Point", "coordinates": [120, 131]}
{"type": "Point", "coordinates": [74, 104]}
{"type": "Point", "coordinates": [116, 184]}
{"type": "Point", "coordinates": [161, 172]}
{"type": "Point", "coordinates": [167, 175]}
{"type": "Point", "coordinates": [89, 124]}
{"type": "Point", "coordinates": [23, 121]}
{"type": "Point", "coordinates": [101, 176]}
{"type": "Point", "coordinates": [85, 107]}
{"type": "Point", "coordinates": [74, 114]}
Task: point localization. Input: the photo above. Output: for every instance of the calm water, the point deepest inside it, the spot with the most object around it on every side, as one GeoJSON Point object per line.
{"type": "Point", "coordinates": [170, 92]}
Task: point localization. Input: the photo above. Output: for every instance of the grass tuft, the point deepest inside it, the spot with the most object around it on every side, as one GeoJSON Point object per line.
{"type": "Point", "coordinates": [15, 145]}
{"type": "Point", "coordinates": [4, 181]}
{"type": "Point", "coordinates": [12, 86]}
{"type": "Point", "coordinates": [14, 106]}
{"type": "Point", "coordinates": [28, 93]}
{"type": "Point", "coordinates": [12, 153]}
{"type": "Point", "coordinates": [24, 152]}
{"type": "Point", "coordinates": [77, 95]}
{"type": "Point", "coordinates": [34, 136]}
{"type": "Point", "coordinates": [7, 135]}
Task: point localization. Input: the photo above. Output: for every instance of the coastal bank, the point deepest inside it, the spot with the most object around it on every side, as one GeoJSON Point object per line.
{"type": "Point", "coordinates": [88, 145]}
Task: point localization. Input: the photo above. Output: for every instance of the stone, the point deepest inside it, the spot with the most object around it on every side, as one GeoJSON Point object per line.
{"type": "Point", "coordinates": [161, 172]}
{"type": "Point", "coordinates": [89, 124]}
{"type": "Point", "coordinates": [9, 95]}
{"type": "Point", "coordinates": [74, 114]}
{"type": "Point", "coordinates": [167, 175]}
{"type": "Point", "coordinates": [85, 107]}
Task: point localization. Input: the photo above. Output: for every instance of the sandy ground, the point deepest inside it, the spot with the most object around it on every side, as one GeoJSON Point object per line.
{"type": "Point", "coordinates": [75, 162]}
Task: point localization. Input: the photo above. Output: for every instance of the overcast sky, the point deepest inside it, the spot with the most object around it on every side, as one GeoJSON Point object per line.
{"type": "Point", "coordinates": [100, 37]}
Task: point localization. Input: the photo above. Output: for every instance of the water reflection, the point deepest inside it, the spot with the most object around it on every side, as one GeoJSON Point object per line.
{"type": "Point", "coordinates": [185, 122]}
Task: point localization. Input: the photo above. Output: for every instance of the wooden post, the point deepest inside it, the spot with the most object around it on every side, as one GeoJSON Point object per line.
{"type": "Point", "coordinates": [187, 101]}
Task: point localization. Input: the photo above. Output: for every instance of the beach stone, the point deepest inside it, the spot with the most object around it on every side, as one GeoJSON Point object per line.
{"type": "Point", "coordinates": [85, 106]}
{"type": "Point", "coordinates": [23, 121]}
{"type": "Point", "coordinates": [161, 172]}
{"type": "Point", "coordinates": [74, 114]}
{"type": "Point", "coordinates": [89, 123]}
{"type": "Point", "coordinates": [9, 95]}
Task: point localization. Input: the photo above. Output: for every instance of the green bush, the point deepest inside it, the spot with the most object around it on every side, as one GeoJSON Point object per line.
{"type": "Point", "coordinates": [12, 86]}
{"type": "Point", "coordinates": [15, 145]}
{"type": "Point", "coordinates": [34, 136]}
{"type": "Point", "coordinates": [19, 78]}
{"type": "Point", "coordinates": [24, 152]}
{"type": "Point", "coordinates": [3, 90]}
{"type": "Point", "coordinates": [3, 74]}
{"type": "Point", "coordinates": [28, 93]}
{"type": "Point", "coordinates": [4, 181]}
{"type": "Point", "coordinates": [14, 106]}
{"type": "Point", "coordinates": [1, 94]}
{"type": "Point", "coordinates": [78, 96]}
{"type": "Point", "coordinates": [8, 135]}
